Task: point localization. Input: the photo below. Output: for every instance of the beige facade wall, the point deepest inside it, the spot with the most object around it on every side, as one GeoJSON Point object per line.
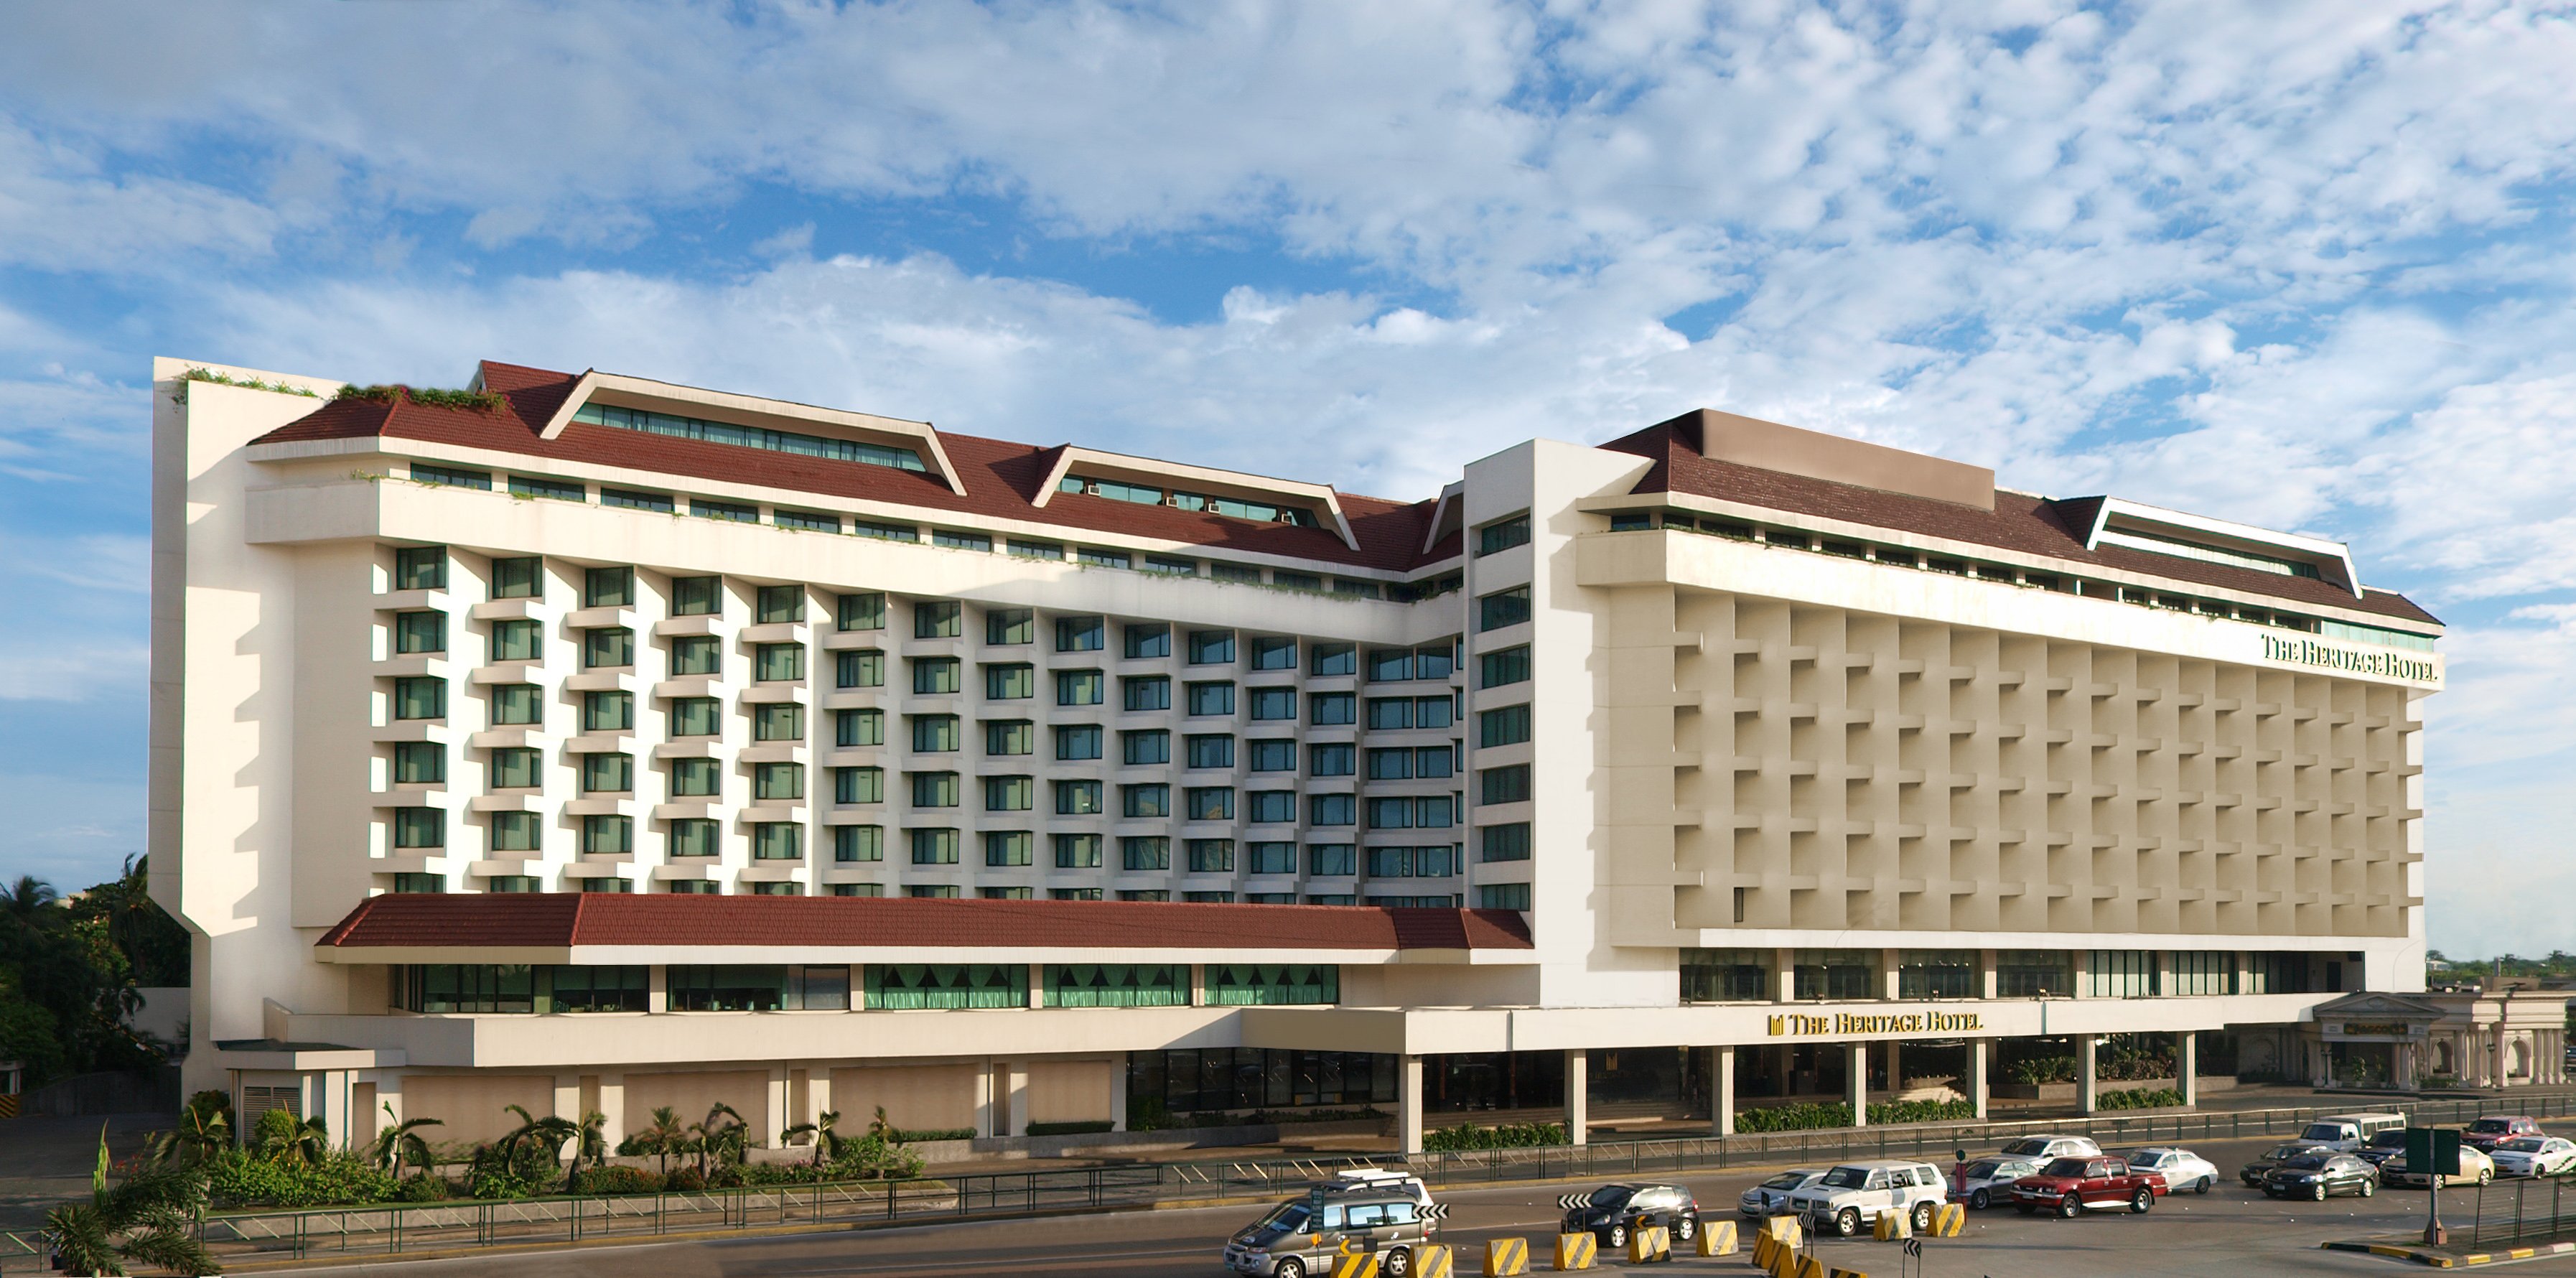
{"type": "Point", "coordinates": [1074, 1091]}
{"type": "Point", "coordinates": [474, 1107]}
{"type": "Point", "coordinates": [690, 1094]}
{"type": "Point", "coordinates": [914, 1097]}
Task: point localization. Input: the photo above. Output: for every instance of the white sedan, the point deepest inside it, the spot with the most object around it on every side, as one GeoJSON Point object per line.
{"type": "Point", "coordinates": [2535, 1156]}
{"type": "Point", "coordinates": [2181, 1168]}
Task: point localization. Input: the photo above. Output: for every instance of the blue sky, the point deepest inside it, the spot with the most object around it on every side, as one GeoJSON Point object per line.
{"type": "Point", "coordinates": [2305, 265]}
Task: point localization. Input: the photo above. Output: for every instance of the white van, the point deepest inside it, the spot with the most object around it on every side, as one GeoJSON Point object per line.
{"type": "Point", "coordinates": [2347, 1132]}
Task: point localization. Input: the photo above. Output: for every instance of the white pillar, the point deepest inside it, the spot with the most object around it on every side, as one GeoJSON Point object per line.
{"type": "Point", "coordinates": [2187, 1067]}
{"type": "Point", "coordinates": [779, 1108]}
{"type": "Point", "coordinates": [1721, 1091]}
{"type": "Point", "coordinates": [2087, 1095]}
{"type": "Point", "coordinates": [818, 1093]}
{"type": "Point", "coordinates": [1408, 1108]}
{"type": "Point", "coordinates": [1784, 975]}
{"type": "Point", "coordinates": [1577, 1102]}
{"type": "Point", "coordinates": [612, 1109]}
{"type": "Point", "coordinates": [984, 1100]}
{"type": "Point", "coordinates": [1980, 1052]}
{"type": "Point", "coordinates": [1015, 1082]}
{"type": "Point", "coordinates": [1856, 1077]}
{"type": "Point", "coordinates": [1118, 1095]}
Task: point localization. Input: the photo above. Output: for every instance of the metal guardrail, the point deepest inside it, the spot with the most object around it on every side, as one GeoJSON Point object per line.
{"type": "Point", "coordinates": [391, 1229]}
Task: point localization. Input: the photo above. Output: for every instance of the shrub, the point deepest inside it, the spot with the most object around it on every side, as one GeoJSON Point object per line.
{"type": "Point", "coordinates": [1793, 1118]}
{"type": "Point", "coordinates": [684, 1180]}
{"type": "Point", "coordinates": [1070, 1129]}
{"type": "Point", "coordinates": [2044, 1069]}
{"type": "Point", "coordinates": [915, 1137]}
{"type": "Point", "coordinates": [420, 1189]}
{"type": "Point", "coordinates": [1466, 1136]}
{"type": "Point", "coordinates": [2159, 1098]}
{"type": "Point", "coordinates": [616, 1180]}
{"type": "Point", "coordinates": [240, 1178]}
{"type": "Point", "coordinates": [478, 401]}
{"type": "Point", "coordinates": [1921, 1111]}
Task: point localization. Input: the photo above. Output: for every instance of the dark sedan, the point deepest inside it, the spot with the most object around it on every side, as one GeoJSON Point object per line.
{"type": "Point", "coordinates": [2321, 1174]}
{"type": "Point", "coordinates": [1613, 1213]}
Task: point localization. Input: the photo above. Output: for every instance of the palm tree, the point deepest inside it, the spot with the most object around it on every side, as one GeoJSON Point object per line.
{"type": "Point", "coordinates": [711, 1137]}
{"type": "Point", "coordinates": [665, 1137]}
{"type": "Point", "coordinates": [403, 1143]}
{"type": "Point", "coordinates": [827, 1143]}
{"type": "Point", "coordinates": [312, 1140]}
{"type": "Point", "coordinates": [205, 1128]}
{"type": "Point", "coordinates": [546, 1134]}
{"type": "Point", "coordinates": [149, 1217]}
{"type": "Point", "coordinates": [592, 1147]}
{"type": "Point", "coordinates": [26, 896]}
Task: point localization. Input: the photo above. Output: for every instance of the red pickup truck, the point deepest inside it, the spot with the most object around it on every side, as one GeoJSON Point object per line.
{"type": "Point", "coordinates": [2070, 1186]}
{"type": "Point", "coordinates": [2493, 1130]}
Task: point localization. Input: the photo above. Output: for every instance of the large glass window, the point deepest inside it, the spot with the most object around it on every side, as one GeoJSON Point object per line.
{"type": "Point", "coordinates": [420, 632]}
{"type": "Point", "coordinates": [1151, 800]}
{"type": "Point", "coordinates": [1727, 976]}
{"type": "Point", "coordinates": [696, 778]}
{"type": "Point", "coordinates": [936, 676]}
{"type": "Point", "coordinates": [420, 828]}
{"type": "Point", "coordinates": [933, 789]}
{"type": "Point", "coordinates": [1332, 809]}
{"type": "Point", "coordinates": [864, 610]}
{"type": "Point", "coordinates": [1271, 653]}
{"type": "Point", "coordinates": [1500, 669]}
{"type": "Point", "coordinates": [1270, 807]}
{"type": "Point", "coordinates": [1273, 704]}
{"type": "Point", "coordinates": [920, 987]}
{"type": "Point", "coordinates": [1273, 985]}
{"type": "Point", "coordinates": [607, 648]}
{"type": "Point", "coordinates": [607, 773]}
{"type": "Point", "coordinates": [419, 763]}
{"type": "Point", "coordinates": [1079, 687]}
{"type": "Point", "coordinates": [1010, 794]}
{"type": "Point", "coordinates": [1332, 709]}
{"type": "Point", "coordinates": [1145, 852]}
{"type": "Point", "coordinates": [2122, 974]}
{"type": "Point", "coordinates": [696, 836]}
{"type": "Point", "coordinates": [1008, 847]}
{"type": "Point", "coordinates": [420, 568]}
{"type": "Point", "coordinates": [487, 988]}
{"type": "Point", "coordinates": [420, 697]}
{"type": "Point", "coordinates": [1211, 750]}
{"type": "Point", "coordinates": [522, 578]}
{"type": "Point", "coordinates": [514, 768]}
{"type": "Point", "coordinates": [777, 781]}
{"type": "Point", "coordinates": [1271, 754]}
{"type": "Point", "coordinates": [1838, 974]}
{"type": "Point", "coordinates": [1211, 803]}
{"type": "Point", "coordinates": [1145, 748]}
{"type": "Point", "coordinates": [1081, 634]}
{"type": "Point", "coordinates": [851, 843]}
{"type": "Point", "coordinates": [1503, 785]}
{"type": "Point", "coordinates": [758, 987]}
{"type": "Point", "coordinates": [1014, 682]}
{"type": "Point", "coordinates": [859, 668]}
{"type": "Point", "coordinates": [697, 596]}
{"type": "Point", "coordinates": [777, 441]}
{"type": "Point", "coordinates": [1503, 535]}
{"type": "Point", "coordinates": [779, 663]}
{"type": "Point", "coordinates": [938, 619]}
{"type": "Point", "coordinates": [1937, 974]}
{"type": "Point", "coordinates": [696, 717]}
{"type": "Point", "coordinates": [697, 655]}
{"type": "Point", "coordinates": [519, 639]}
{"type": "Point", "coordinates": [1330, 659]}
{"type": "Point", "coordinates": [1503, 608]}
{"type": "Point", "coordinates": [775, 604]}
{"type": "Point", "coordinates": [858, 728]}
{"type": "Point", "coordinates": [935, 733]}
{"type": "Point", "coordinates": [2202, 972]}
{"type": "Point", "coordinates": [1076, 851]}
{"type": "Point", "coordinates": [778, 721]}
{"type": "Point", "coordinates": [515, 704]}
{"type": "Point", "coordinates": [858, 785]}
{"type": "Point", "coordinates": [1117, 985]}
{"type": "Point", "coordinates": [2034, 974]}
{"type": "Point", "coordinates": [1509, 842]}
{"type": "Point", "coordinates": [777, 841]}
{"type": "Point", "coordinates": [1145, 692]}
{"type": "Point", "coordinates": [1211, 698]}
{"type": "Point", "coordinates": [1077, 741]}
{"type": "Point", "coordinates": [1011, 625]}
{"type": "Point", "coordinates": [608, 588]}
{"type": "Point", "coordinates": [1010, 737]}
{"type": "Point", "coordinates": [607, 711]}
{"type": "Point", "coordinates": [1211, 647]}
{"type": "Point", "coordinates": [1331, 760]}
{"type": "Point", "coordinates": [513, 832]}
{"type": "Point", "coordinates": [1502, 726]}
{"type": "Point", "coordinates": [607, 835]}
{"type": "Point", "coordinates": [934, 845]}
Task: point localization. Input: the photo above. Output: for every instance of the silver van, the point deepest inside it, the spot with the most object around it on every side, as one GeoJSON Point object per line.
{"type": "Point", "coordinates": [1303, 1236]}
{"type": "Point", "coordinates": [2347, 1132]}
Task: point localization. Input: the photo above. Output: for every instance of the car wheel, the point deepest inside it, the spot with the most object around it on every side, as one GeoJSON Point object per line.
{"type": "Point", "coordinates": [2140, 1201]}
{"type": "Point", "coordinates": [1397, 1264]}
{"type": "Point", "coordinates": [2321, 1191]}
{"type": "Point", "coordinates": [1980, 1201]}
{"type": "Point", "coordinates": [2369, 1187]}
{"type": "Point", "coordinates": [1685, 1228]}
{"type": "Point", "coordinates": [2486, 1175]}
{"type": "Point", "coordinates": [1922, 1218]}
{"type": "Point", "coordinates": [1847, 1222]}
{"type": "Point", "coordinates": [1290, 1268]}
{"type": "Point", "coordinates": [2205, 1183]}
{"type": "Point", "coordinates": [2069, 1207]}
{"type": "Point", "coordinates": [1616, 1236]}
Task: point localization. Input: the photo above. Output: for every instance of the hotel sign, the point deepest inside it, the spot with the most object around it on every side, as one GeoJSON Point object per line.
{"type": "Point", "coordinates": [2362, 661]}
{"type": "Point", "coordinates": [1851, 1024]}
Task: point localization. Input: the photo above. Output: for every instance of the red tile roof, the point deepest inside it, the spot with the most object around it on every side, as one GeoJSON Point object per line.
{"type": "Point", "coordinates": [2033, 525]}
{"type": "Point", "coordinates": [561, 919]}
{"type": "Point", "coordinates": [1001, 478]}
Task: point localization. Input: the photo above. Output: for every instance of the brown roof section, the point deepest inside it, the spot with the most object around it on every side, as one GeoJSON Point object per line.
{"type": "Point", "coordinates": [1001, 478]}
{"type": "Point", "coordinates": [2033, 525]}
{"type": "Point", "coordinates": [558, 919]}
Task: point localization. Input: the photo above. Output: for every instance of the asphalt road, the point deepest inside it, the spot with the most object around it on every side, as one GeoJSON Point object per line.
{"type": "Point", "coordinates": [2230, 1231]}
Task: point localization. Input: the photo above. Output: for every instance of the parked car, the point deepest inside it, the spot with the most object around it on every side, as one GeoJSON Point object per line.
{"type": "Point", "coordinates": [2043, 1148]}
{"type": "Point", "coordinates": [2491, 1130]}
{"type": "Point", "coordinates": [2475, 1169]}
{"type": "Point", "coordinates": [2321, 1174]}
{"type": "Point", "coordinates": [1988, 1181]}
{"type": "Point", "coordinates": [2072, 1186]}
{"type": "Point", "coordinates": [1380, 1178]}
{"type": "Point", "coordinates": [1771, 1197]}
{"type": "Point", "coordinates": [2385, 1145]}
{"type": "Point", "coordinates": [1852, 1197]}
{"type": "Point", "coordinates": [2534, 1156]}
{"type": "Point", "coordinates": [2252, 1173]}
{"type": "Point", "coordinates": [1612, 1212]}
{"type": "Point", "coordinates": [2181, 1168]}
{"type": "Point", "coordinates": [1304, 1235]}
{"type": "Point", "coordinates": [2348, 1132]}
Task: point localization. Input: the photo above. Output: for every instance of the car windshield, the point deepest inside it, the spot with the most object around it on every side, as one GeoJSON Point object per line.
{"type": "Point", "coordinates": [2307, 1162]}
{"type": "Point", "coordinates": [1788, 1180]}
{"type": "Point", "coordinates": [2393, 1138]}
{"type": "Point", "coordinates": [1984, 1169]}
{"type": "Point", "coordinates": [1847, 1178]}
{"type": "Point", "coordinates": [1286, 1218]}
{"type": "Point", "coordinates": [2285, 1151]}
{"type": "Point", "coordinates": [2521, 1144]}
{"type": "Point", "coordinates": [2492, 1125]}
{"type": "Point", "coordinates": [1611, 1195]}
{"type": "Point", "coordinates": [2065, 1167]}
{"type": "Point", "coordinates": [2031, 1145]}
{"type": "Point", "coordinates": [2323, 1131]}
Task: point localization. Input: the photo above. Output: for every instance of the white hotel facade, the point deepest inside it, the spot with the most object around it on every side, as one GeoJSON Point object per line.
{"type": "Point", "coordinates": [594, 742]}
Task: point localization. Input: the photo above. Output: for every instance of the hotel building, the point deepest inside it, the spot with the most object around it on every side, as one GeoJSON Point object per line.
{"type": "Point", "coordinates": [582, 741]}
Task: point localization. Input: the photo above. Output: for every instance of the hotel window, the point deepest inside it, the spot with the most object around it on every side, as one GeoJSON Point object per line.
{"type": "Point", "coordinates": [1270, 754]}
{"type": "Point", "coordinates": [1504, 842]}
{"type": "Point", "coordinates": [1286, 580]}
{"type": "Point", "coordinates": [1010, 737]}
{"type": "Point", "coordinates": [607, 835]}
{"type": "Point", "coordinates": [860, 668]}
{"type": "Point", "coordinates": [608, 588]}
{"type": "Point", "coordinates": [1332, 860]}
{"type": "Point", "coordinates": [1208, 699]}
{"type": "Point", "coordinates": [696, 836]}
{"type": "Point", "coordinates": [1331, 760]}
{"type": "Point", "coordinates": [1144, 801]}
{"type": "Point", "coordinates": [420, 697]}
{"type": "Point", "coordinates": [1331, 809]}
{"type": "Point", "coordinates": [1170, 567]}
{"type": "Point", "coordinates": [779, 663]}
{"type": "Point", "coordinates": [512, 832]}
{"type": "Point", "coordinates": [1274, 654]}
{"type": "Point", "coordinates": [607, 648]}
{"type": "Point", "coordinates": [1502, 726]}
{"type": "Point", "coordinates": [607, 774]}
{"type": "Point", "coordinates": [420, 632]}
{"type": "Point", "coordinates": [1008, 847]}
{"type": "Point", "coordinates": [1073, 894]}
{"type": "Point", "coordinates": [420, 763]}
{"type": "Point", "coordinates": [2203, 972]}
{"type": "Point", "coordinates": [1016, 682]}
{"type": "Point", "coordinates": [420, 828]}
{"type": "Point", "coordinates": [858, 728]}
{"type": "Point", "coordinates": [1080, 634]}
{"type": "Point", "coordinates": [1502, 535]}
{"type": "Point", "coordinates": [1438, 861]}
{"type": "Point", "coordinates": [1390, 665]}
{"type": "Point", "coordinates": [733, 511]}
{"type": "Point", "coordinates": [780, 603]}
{"type": "Point", "coordinates": [1211, 647]}
{"type": "Point", "coordinates": [1222, 571]}
{"type": "Point", "coordinates": [1148, 641]}
{"type": "Point", "coordinates": [1503, 785]}
{"type": "Point", "coordinates": [696, 779]}
{"type": "Point", "coordinates": [1076, 851]}
{"type": "Point", "coordinates": [1248, 985]}
{"type": "Point", "coordinates": [2034, 974]}
{"type": "Point", "coordinates": [1727, 976]}
{"type": "Point", "coordinates": [2122, 974]}
{"type": "Point", "coordinates": [956, 540]}
{"type": "Point", "coordinates": [1210, 803]}
{"type": "Point", "coordinates": [778, 781]}
{"type": "Point", "coordinates": [1145, 692]}
{"type": "Point", "coordinates": [517, 704]}
{"type": "Point", "coordinates": [519, 578]}
{"type": "Point", "coordinates": [516, 769]}
{"type": "Point", "coordinates": [2277, 972]}
{"type": "Point", "coordinates": [858, 785]}
{"type": "Point", "coordinates": [1409, 812]}
{"type": "Point", "coordinates": [900, 987]}
{"type": "Point", "coordinates": [884, 532]}
{"type": "Point", "coordinates": [1010, 794]}
{"type": "Point", "coordinates": [1144, 749]}
{"type": "Point", "coordinates": [697, 596]}
{"type": "Point", "coordinates": [1145, 852]}
{"type": "Point", "coordinates": [936, 846]}
{"type": "Point", "coordinates": [420, 568]}
{"type": "Point", "coordinates": [696, 717]}
{"type": "Point", "coordinates": [1498, 669]}
{"type": "Point", "coordinates": [1099, 558]}
{"type": "Point", "coordinates": [933, 789]}
{"type": "Point", "coordinates": [1273, 704]}
{"type": "Point", "coordinates": [696, 655]}
{"type": "Point", "coordinates": [1435, 761]}
{"type": "Point", "coordinates": [805, 520]}
{"type": "Point", "coordinates": [1208, 750]}
{"type": "Point", "coordinates": [1937, 974]}
{"type": "Point", "coordinates": [1006, 626]}
{"type": "Point", "coordinates": [851, 843]}
{"type": "Point", "coordinates": [517, 640]}
{"type": "Point", "coordinates": [1332, 709]}
{"type": "Point", "coordinates": [1116, 985]}
{"type": "Point", "coordinates": [1079, 687]}
{"type": "Point", "coordinates": [778, 721]}
{"type": "Point", "coordinates": [1503, 608]}
{"type": "Point", "coordinates": [862, 610]}
{"type": "Point", "coordinates": [1077, 742]}
{"type": "Point", "coordinates": [1051, 550]}
{"type": "Point", "coordinates": [1270, 858]}
{"type": "Point", "coordinates": [555, 489]}
{"type": "Point", "coordinates": [855, 889]}
{"type": "Point", "coordinates": [777, 841]}
{"type": "Point", "coordinates": [1837, 974]}
{"type": "Point", "coordinates": [1503, 896]}
{"type": "Point", "coordinates": [1077, 798]}
{"type": "Point", "coordinates": [1390, 763]}
{"type": "Point", "coordinates": [408, 884]}
{"type": "Point", "coordinates": [607, 711]}
{"type": "Point", "coordinates": [758, 987]}
{"type": "Point", "coordinates": [1270, 807]}
{"type": "Point", "coordinates": [691, 887]}
{"type": "Point", "coordinates": [1330, 659]}
{"type": "Point", "coordinates": [938, 619]}
{"type": "Point", "coordinates": [934, 676]}
{"type": "Point", "coordinates": [1211, 856]}
{"type": "Point", "coordinates": [932, 891]}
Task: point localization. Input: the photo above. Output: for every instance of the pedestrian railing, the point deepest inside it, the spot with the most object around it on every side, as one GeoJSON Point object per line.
{"type": "Point", "coordinates": [2516, 1213]}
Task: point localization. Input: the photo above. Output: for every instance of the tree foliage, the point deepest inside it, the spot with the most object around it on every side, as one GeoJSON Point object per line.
{"type": "Point", "coordinates": [69, 971]}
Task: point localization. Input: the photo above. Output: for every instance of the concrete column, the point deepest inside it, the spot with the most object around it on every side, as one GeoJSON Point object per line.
{"type": "Point", "coordinates": [612, 1108]}
{"type": "Point", "coordinates": [1784, 975]}
{"type": "Point", "coordinates": [1985, 974]}
{"type": "Point", "coordinates": [1408, 1107]}
{"type": "Point", "coordinates": [2087, 1098]}
{"type": "Point", "coordinates": [1857, 1079]}
{"type": "Point", "coordinates": [1721, 1091]}
{"type": "Point", "coordinates": [1577, 1102]}
{"type": "Point", "coordinates": [657, 988]}
{"type": "Point", "coordinates": [984, 1099]}
{"type": "Point", "coordinates": [1981, 1053]}
{"type": "Point", "coordinates": [781, 1104]}
{"type": "Point", "coordinates": [1118, 1096]}
{"type": "Point", "coordinates": [818, 1092]}
{"type": "Point", "coordinates": [2081, 961]}
{"type": "Point", "coordinates": [1015, 1083]}
{"type": "Point", "coordinates": [2187, 1067]}
{"type": "Point", "coordinates": [1888, 976]}
{"type": "Point", "coordinates": [2503, 1064]}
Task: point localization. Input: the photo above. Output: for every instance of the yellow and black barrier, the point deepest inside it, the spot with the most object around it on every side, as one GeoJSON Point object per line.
{"type": "Point", "coordinates": [1505, 1257]}
{"type": "Point", "coordinates": [1764, 1246]}
{"type": "Point", "coordinates": [1948, 1220]}
{"type": "Point", "coordinates": [1807, 1267]}
{"type": "Point", "coordinates": [1432, 1260]}
{"type": "Point", "coordinates": [1649, 1243]}
{"type": "Point", "coordinates": [1785, 1230]}
{"type": "Point", "coordinates": [1576, 1251]}
{"type": "Point", "coordinates": [1845, 1273]}
{"type": "Point", "coordinates": [1717, 1238]}
{"type": "Point", "coordinates": [1352, 1263]}
{"type": "Point", "coordinates": [1892, 1226]}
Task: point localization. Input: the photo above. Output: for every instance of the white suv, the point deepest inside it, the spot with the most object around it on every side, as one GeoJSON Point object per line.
{"type": "Point", "coordinates": [1853, 1196]}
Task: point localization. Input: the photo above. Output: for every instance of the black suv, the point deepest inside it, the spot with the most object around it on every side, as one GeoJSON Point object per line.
{"type": "Point", "coordinates": [1613, 1212]}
